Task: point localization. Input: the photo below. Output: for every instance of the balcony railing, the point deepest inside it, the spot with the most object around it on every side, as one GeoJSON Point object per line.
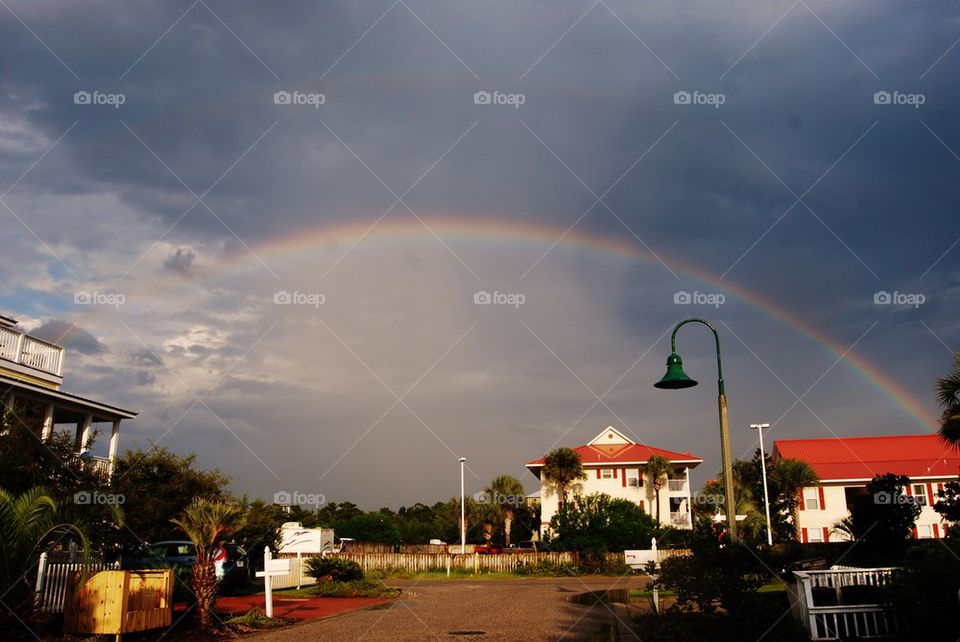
{"type": "Point", "coordinates": [21, 348]}
{"type": "Point", "coordinates": [677, 484]}
{"type": "Point", "coordinates": [680, 519]}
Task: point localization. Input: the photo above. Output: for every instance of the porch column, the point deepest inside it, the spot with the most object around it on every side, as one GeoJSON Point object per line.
{"type": "Point", "coordinates": [114, 442]}
{"type": "Point", "coordinates": [84, 430]}
{"type": "Point", "coordinates": [47, 429]}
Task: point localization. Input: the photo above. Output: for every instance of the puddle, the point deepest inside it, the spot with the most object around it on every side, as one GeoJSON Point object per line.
{"type": "Point", "coordinates": [612, 595]}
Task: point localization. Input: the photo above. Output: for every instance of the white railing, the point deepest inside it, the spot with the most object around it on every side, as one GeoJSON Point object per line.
{"type": "Point", "coordinates": [26, 350]}
{"type": "Point", "coordinates": [677, 484]}
{"type": "Point", "coordinates": [52, 579]}
{"type": "Point", "coordinates": [827, 604]}
{"type": "Point", "coordinates": [680, 519]}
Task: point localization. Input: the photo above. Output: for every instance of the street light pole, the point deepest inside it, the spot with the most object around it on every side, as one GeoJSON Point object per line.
{"type": "Point", "coordinates": [763, 468]}
{"type": "Point", "coordinates": [463, 512]}
{"type": "Point", "coordinates": [677, 379]}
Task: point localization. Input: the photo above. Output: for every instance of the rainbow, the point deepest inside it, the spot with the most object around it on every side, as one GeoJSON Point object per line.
{"type": "Point", "coordinates": [486, 229]}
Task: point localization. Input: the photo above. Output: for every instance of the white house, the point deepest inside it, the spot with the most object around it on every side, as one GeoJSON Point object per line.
{"type": "Point", "coordinates": [31, 371]}
{"type": "Point", "coordinates": [616, 466]}
{"type": "Point", "coordinates": [845, 465]}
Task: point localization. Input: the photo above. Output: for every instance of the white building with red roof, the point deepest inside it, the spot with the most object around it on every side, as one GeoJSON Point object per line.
{"type": "Point", "coordinates": [616, 466]}
{"type": "Point", "coordinates": [845, 465]}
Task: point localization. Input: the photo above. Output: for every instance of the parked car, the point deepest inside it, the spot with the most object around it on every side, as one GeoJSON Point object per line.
{"type": "Point", "coordinates": [182, 554]}
{"type": "Point", "coordinates": [487, 549]}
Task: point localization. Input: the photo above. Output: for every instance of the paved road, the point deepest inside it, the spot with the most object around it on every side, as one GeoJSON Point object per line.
{"type": "Point", "coordinates": [522, 610]}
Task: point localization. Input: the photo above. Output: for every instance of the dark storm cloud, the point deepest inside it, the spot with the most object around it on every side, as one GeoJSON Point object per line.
{"type": "Point", "coordinates": [70, 336]}
{"type": "Point", "coordinates": [180, 262]}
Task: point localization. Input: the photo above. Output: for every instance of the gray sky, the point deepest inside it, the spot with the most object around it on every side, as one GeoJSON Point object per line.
{"type": "Point", "coordinates": [796, 159]}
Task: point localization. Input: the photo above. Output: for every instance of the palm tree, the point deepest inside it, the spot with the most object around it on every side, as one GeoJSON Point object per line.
{"type": "Point", "coordinates": [658, 469]}
{"type": "Point", "coordinates": [503, 492]}
{"type": "Point", "coordinates": [948, 394]}
{"type": "Point", "coordinates": [206, 523]}
{"type": "Point", "coordinates": [791, 476]}
{"type": "Point", "coordinates": [561, 468]}
{"type": "Point", "coordinates": [28, 523]}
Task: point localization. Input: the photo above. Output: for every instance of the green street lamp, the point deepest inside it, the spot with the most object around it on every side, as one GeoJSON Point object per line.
{"type": "Point", "coordinates": [677, 379]}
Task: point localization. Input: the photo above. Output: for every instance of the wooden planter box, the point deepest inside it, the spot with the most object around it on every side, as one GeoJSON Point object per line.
{"type": "Point", "coordinates": [116, 602]}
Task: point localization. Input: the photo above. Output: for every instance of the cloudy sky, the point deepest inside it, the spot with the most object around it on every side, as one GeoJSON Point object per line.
{"type": "Point", "coordinates": [270, 227]}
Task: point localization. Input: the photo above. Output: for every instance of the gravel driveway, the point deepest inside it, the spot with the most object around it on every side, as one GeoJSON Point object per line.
{"type": "Point", "coordinates": [521, 609]}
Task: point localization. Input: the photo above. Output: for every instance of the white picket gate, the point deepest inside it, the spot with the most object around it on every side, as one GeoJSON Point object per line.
{"type": "Point", "coordinates": [839, 620]}
{"type": "Point", "coordinates": [52, 578]}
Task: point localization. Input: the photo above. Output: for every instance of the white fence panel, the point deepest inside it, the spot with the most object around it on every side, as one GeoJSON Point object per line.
{"type": "Point", "coordinates": [52, 577]}
{"type": "Point", "coordinates": [840, 620]}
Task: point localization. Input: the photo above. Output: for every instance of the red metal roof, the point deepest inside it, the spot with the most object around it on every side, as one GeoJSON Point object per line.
{"type": "Point", "coordinates": [859, 458]}
{"type": "Point", "coordinates": [624, 453]}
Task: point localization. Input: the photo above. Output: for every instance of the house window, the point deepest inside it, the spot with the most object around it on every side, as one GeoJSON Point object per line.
{"type": "Point", "coordinates": [920, 494]}
{"type": "Point", "coordinates": [633, 478]}
{"type": "Point", "coordinates": [815, 535]}
{"type": "Point", "coordinates": [811, 499]}
{"type": "Point", "coordinates": [606, 473]}
{"type": "Point", "coordinates": [924, 531]}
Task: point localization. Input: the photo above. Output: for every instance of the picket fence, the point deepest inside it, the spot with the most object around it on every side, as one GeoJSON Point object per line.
{"type": "Point", "coordinates": [52, 576]}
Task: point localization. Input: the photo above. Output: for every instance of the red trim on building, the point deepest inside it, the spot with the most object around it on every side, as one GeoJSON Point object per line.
{"type": "Point", "coordinates": [822, 504]}
{"type": "Point", "coordinates": [826, 534]}
{"type": "Point", "coordinates": [915, 535]}
{"type": "Point", "coordinates": [909, 490]}
{"type": "Point", "coordinates": [614, 473]}
{"type": "Point", "coordinates": [598, 473]}
{"type": "Point", "coordinates": [803, 535]}
{"type": "Point", "coordinates": [623, 477]}
{"type": "Point", "coordinates": [802, 500]}
{"type": "Point", "coordinates": [930, 493]}
{"type": "Point", "coordinates": [936, 531]}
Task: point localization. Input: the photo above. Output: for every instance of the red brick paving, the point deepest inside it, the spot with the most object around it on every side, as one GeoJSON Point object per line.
{"type": "Point", "coordinates": [294, 608]}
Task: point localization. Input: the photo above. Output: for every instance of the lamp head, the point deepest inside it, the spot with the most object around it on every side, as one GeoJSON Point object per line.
{"type": "Point", "coordinates": [675, 378]}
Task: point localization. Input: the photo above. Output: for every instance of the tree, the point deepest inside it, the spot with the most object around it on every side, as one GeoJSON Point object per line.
{"type": "Point", "coordinates": [658, 469]}
{"type": "Point", "coordinates": [207, 523]}
{"type": "Point", "coordinates": [506, 492]}
{"type": "Point", "coordinates": [377, 528]}
{"type": "Point", "coordinates": [561, 468]}
{"type": "Point", "coordinates": [791, 477]}
{"type": "Point", "coordinates": [261, 527]}
{"type": "Point", "coordinates": [948, 505]}
{"type": "Point", "coordinates": [156, 484]}
{"type": "Point", "coordinates": [598, 523]}
{"type": "Point", "coordinates": [29, 523]}
{"type": "Point", "coordinates": [948, 394]}
{"type": "Point", "coordinates": [884, 516]}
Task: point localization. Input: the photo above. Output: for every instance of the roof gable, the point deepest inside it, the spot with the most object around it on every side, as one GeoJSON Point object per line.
{"type": "Point", "coordinates": [610, 436]}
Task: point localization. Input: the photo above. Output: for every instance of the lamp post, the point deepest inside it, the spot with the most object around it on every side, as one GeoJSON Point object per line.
{"type": "Point", "coordinates": [677, 379]}
{"type": "Point", "coordinates": [463, 512]}
{"type": "Point", "coordinates": [763, 468]}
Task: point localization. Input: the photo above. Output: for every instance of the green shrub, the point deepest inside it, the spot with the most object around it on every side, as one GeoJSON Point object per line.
{"type": "Point", "coordinates": [765, 622]}
{"type": "Point", "coordinates": [333, 569]}
{"type": "Point", "coordinates": [546, 568]}
{"type": "Point", "coordinates": [355, 588]}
